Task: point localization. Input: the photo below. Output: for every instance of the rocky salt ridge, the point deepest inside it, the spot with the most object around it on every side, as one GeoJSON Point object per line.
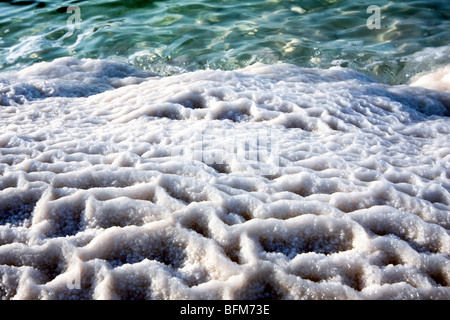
{"type": "Point", "coordinates": [271, 182]}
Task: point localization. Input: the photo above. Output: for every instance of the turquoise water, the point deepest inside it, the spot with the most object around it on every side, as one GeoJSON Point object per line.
{"type": "Point", "coordinates": [177, 36]}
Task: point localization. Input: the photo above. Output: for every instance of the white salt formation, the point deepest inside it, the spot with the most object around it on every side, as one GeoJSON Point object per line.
{"type": "Point", "coordinates": [272, 182]}
{"type": "Point", "coordinates": [437, 80]}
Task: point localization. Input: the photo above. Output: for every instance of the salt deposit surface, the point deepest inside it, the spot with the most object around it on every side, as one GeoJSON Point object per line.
{"type": "Point", "coordinates": [272, 181]}
{"type": "Point", "coordinates": [437, 80]}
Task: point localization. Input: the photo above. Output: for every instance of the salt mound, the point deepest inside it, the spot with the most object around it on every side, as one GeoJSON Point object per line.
{"type": "Point", "coordinates": [437, 80]}
{"type": "Point", "coordinates": [66, 77]}
{"type": "Point", "coordinates": [271, 182]}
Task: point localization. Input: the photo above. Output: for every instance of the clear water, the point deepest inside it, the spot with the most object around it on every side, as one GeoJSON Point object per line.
{"type": "Point", "coordinates": [179, 35]}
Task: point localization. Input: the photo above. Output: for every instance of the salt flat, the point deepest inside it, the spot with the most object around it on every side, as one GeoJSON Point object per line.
{"type": "Point", "coordinates": [272, 181]}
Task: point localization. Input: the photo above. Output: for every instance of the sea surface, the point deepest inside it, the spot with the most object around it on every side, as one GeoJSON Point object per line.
{"type": "Point", "coordinates": [228, 149]}
{"type": "Point", "coordinates": [175, 36]}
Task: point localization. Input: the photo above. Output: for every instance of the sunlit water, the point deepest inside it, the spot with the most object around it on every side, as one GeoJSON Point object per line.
{"type": "Point", "coordinates": [176, 36]}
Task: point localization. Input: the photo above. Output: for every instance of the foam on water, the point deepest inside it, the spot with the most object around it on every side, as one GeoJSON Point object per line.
{"type": "Point", "coordinates": [272, 181]}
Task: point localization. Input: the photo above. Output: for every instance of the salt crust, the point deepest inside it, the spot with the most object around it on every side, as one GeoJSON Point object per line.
{"type": "Point", "coordinates": [102, 187]}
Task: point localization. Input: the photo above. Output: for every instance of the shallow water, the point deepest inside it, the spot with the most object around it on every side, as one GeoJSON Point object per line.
{"type": "Point", "coordinates": [174, 36]}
